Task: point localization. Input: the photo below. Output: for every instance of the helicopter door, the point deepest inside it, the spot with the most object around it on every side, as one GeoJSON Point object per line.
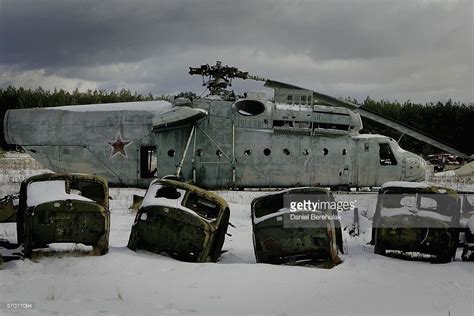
{"type": "Point", "coordinates": [148, 162]}
{"type": "Point", "coordinates": [365, 159]}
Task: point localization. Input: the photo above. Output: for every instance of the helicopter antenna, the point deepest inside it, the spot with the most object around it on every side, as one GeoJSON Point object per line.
{"type": "Point", "coordinates": [218, 78]}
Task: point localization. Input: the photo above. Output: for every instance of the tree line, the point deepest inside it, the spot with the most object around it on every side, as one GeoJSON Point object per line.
{"type": "Point", "coordinates": [450, 122]}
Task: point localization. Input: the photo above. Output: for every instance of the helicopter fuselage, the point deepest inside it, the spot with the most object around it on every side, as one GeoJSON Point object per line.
{"type": "Point", "coordinates": [251, 142]}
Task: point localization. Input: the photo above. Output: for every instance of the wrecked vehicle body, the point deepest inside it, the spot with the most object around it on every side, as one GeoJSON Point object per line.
{"type": "Point", "coordinates": [184, 221]}
{"type": "Point", "coordinates": [417, 218]}
{"type": "Point", "coordinates": [467, 222]}
{"type": "Point", "coordinates": [468, 251]}
{"type": "Point", "coordinates": [70, 208]}
{"type": "Point", "coordinates": [10, 251]}
{"type": "Point", "coordinates": [281, 235]}
{"type": "Point", "coordinates": [8, 208]}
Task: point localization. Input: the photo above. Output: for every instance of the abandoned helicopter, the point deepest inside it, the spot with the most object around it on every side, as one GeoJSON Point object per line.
{"type": "Point", "coordinates": [301, 138]}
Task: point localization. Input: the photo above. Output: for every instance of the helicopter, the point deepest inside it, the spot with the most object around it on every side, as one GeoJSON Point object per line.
{"type": "Point", "coordinates": [222, 140]}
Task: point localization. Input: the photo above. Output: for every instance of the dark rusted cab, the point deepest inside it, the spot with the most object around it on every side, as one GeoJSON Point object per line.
{"type": "Point", "coordinates": [181, 220]}
{"type": "Point", "coordinates": [64, 208]}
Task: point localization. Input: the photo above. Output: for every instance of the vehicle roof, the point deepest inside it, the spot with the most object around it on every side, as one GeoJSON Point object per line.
{"type": "Point", "coordinates": [299, 190]}
{"type": "Point", "coordinates": [192, 188]}
{"type": "Point", "coordinates": [415, 186]}
{"type": "Point", "coordinates": [69, 176]}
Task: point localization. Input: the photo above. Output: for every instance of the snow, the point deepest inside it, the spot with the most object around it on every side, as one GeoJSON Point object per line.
{"type": "Point", "coordinates": [147, 106]}
{"type": "Point", "coordinates": [449, 173]}
{"type": "Point", "coordinates": [16, 201]}
{"type": "Point", "coordinates": [48, 191]}
{"type": "Point", "coordinates": [124, 282]}
{"type": "Point", "coordinates": [404, 184]}
{"type": "Point", "coordinates": [150, 198]}
{"type": "Point", "coordinates": [369, 136]}
{"type": "Point", "coordinates": [470, 224]}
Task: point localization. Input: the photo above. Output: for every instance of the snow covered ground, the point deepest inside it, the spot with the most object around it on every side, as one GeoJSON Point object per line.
{"type": "Point", "coordinates": [126, 282]}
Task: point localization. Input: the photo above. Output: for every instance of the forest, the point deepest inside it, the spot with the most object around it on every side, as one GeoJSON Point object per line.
{"type": "Point", "coordinates": [451, 122]}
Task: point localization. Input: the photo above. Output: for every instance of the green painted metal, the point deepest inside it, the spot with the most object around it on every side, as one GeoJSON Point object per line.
{"type": "Point", "coordinates": [66, 221]}
{"type": "Point", "coordinates": [415, 233]}
{"type": "Point", "coordinates": [274, 242]}
{"type": "Point", "coordinates": [192, 229]}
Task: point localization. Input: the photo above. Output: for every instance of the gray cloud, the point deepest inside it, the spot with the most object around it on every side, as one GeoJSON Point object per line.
{"type": "Point", "coordinates": [420, 50]}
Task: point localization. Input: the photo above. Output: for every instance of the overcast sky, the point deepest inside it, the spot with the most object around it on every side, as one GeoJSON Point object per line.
{"type": "Point", "coordinates": [420, 50]}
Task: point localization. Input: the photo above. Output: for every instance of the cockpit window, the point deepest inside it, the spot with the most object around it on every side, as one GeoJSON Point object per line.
{"type": "Point", "coordinates": [386, 155]}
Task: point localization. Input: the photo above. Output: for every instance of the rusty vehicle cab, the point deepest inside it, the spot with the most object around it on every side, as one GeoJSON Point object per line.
{"type": "Point", "coordinates": [64, 208]}
{"type": "Point", "coordinates": [281, 235]}
{"type": "Point", "coordinates": [184, 221]}
{"type": "Point", "coordinates": [417, 217]}
{"type": "Point", "coordinates": [9, 208]}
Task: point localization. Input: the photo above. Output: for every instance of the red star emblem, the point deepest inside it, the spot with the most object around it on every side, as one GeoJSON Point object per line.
{"type": "Point", "coordinates": [118, 146]}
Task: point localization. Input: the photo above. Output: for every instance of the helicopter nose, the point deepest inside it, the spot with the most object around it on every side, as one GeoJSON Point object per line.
{"type": "Point", "coordinates": [415, 168]}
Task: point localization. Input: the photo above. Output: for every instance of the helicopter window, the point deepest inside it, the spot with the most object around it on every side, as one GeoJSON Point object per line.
{"type": "Point", "coordinates": [249, 107]}
{"type": "Point", "coordinates": [148, 162]}
{"type": "Point", "coordinates": [267, 152]}
{"type": "Point", "coordinates": [325, 151]}
{"type": "Point", "coordinates": [171, 153]}
{"type": "Point", "coordinates": [344, 152]}
{"type": "Point", "coordinates": [286, 151]}
{"type": "Point", "coordinates": [247, 152]}
{"type": "Point", "coordinates": [342, 127]}
{"type": "Point", "coordinates": [278, 123]}
{"type": "Point", "coordinates": [386, 155]}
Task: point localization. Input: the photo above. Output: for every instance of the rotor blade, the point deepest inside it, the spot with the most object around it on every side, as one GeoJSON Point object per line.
{"type": "Point", "coordinates": [408, 130]}
{"type": "Point", "coordinates": [374, 116]}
